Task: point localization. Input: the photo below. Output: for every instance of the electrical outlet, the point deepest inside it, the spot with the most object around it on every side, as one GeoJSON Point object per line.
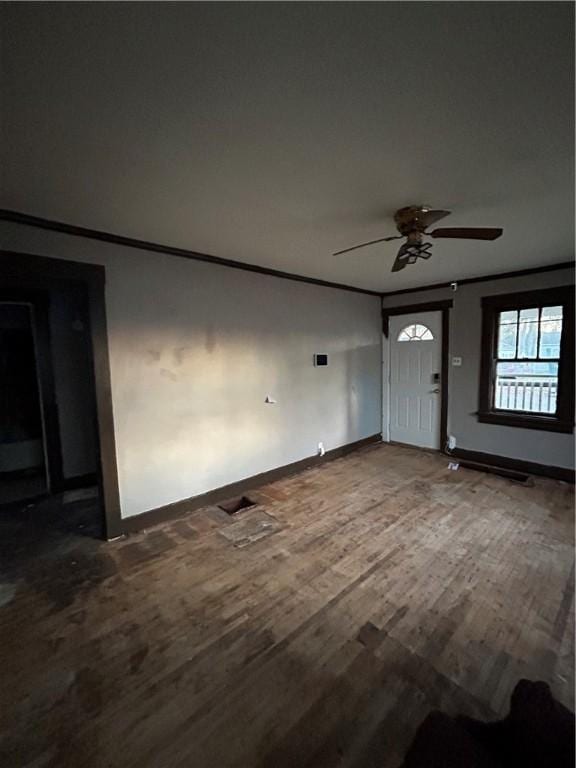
{"type": "Point", "coordinates": [451, 442]}
{"type": "Point", "coordinates": [456, 362]}
{"type": "Point", "coordinates": [321, 450]}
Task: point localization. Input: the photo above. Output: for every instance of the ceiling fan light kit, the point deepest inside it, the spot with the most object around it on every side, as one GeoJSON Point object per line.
{"type": "Point", "coordinates": [410, 252]}
{"type": "Point", "coordinates": [412, 223]}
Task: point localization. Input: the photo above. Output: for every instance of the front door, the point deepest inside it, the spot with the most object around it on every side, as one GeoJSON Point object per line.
{"type": "Point", "coordinates": [415, 369]}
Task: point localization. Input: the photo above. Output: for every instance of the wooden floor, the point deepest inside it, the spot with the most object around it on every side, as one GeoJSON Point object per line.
{"type": "Point", "coordinates": [392, 587]}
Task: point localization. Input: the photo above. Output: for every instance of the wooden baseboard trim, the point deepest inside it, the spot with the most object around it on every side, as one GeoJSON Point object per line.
{"type": "Point", "coordinates": [515, 465]}
{"type": "Point", "coordinates": [181, 508]}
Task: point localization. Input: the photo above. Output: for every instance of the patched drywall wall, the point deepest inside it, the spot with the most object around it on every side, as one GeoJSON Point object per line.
{"type": "Point", "coordinates": [548, 448]}
{"type": "Point", "coordinates": [196, 348]}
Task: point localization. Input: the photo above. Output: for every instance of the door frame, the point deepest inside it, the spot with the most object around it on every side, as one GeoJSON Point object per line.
{"type": "Point", "coordinates": [36, 274]}
{"type": "Point", "coordinates": [444, 307]}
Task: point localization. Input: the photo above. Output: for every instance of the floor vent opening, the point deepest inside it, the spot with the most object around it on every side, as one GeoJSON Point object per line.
{"type": "Point", "coordinates": [233, 506]}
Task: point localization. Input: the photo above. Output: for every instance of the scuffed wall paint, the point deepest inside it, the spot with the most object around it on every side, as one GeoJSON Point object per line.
{"type": "Point", "coordinates": [196, 348]}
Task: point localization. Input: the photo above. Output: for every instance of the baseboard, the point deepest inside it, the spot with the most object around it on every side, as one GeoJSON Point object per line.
{"type": "Point", "coordinates": [516, 465]}
{"type": "Point", "coordinates": [181, 508]}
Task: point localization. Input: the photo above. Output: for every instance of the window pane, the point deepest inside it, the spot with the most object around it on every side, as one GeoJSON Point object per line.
{"type": "Point", "coordinates": [406, 333]}
{"type": "Point", "coordinates": [507, 330]}
{"type": "Point", "coordinates": [528, 387]}
{"type": "Point", "coordinates": [424, 333]}
{"type": "Point", "coordinates": [528, 333]}
{"type": "Point", "coordinates": [415, 332]}
{"type": "Point", "coordinates": [550, 331]}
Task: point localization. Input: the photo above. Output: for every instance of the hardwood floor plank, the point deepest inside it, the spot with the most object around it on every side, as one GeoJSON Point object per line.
{"type": "Point", "coordinates": [394, 586]}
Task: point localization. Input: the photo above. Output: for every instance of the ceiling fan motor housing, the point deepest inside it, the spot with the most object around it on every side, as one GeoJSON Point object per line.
{"type": "Point", "coordinates": [411, 219]}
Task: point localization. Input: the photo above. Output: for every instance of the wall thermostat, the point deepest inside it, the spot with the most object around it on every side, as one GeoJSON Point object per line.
{"type": "Point", "coordinates": [320, 360]}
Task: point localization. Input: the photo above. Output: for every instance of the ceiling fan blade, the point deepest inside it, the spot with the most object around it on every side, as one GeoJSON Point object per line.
{"type": "Point", "coordinates": [363, 245]}
{"type": "Point", "coordinates": [431, 217]}
{"type": "Point", "coordinates": [467, 233]}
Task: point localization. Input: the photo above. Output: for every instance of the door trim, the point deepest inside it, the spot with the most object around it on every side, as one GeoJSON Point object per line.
{"type": "Point", "coordinates": [37, 273]}
{"type": "Point", "coordinates": [432, 306]}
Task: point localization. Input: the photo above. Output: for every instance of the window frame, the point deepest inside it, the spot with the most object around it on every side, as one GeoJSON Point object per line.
{"type": "Point", "coordinates": [563, 419]}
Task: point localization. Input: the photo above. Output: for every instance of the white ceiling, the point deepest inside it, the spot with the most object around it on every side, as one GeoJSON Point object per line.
{"type": "Point", "coordinates": [276, 133]}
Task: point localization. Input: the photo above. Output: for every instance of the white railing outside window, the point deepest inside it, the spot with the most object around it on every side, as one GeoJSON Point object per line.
{"type": "Point", "coordinates": [536, 394]}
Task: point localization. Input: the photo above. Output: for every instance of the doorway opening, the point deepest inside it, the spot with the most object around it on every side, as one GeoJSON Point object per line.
{"type": "Point", "coordinates": [23, 467]}
{"type": "Point", "coordinates": [57, 454]}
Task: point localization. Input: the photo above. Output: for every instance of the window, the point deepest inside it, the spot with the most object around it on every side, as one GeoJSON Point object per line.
{"type": "Point", "coordinates": [415, 332]}
{"type": "Point", "coordinates": [527, 374]}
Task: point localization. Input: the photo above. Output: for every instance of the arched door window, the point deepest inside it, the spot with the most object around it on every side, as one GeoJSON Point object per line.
{"type": "Point", "coordinates": [415, 332]}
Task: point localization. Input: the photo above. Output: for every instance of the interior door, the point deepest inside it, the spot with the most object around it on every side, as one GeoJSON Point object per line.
{"type": "Point", "coordinates": [415, 370]}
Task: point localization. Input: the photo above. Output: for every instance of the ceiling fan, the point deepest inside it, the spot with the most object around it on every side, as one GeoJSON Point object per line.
{"type": "Point", "coordinates": [412, 223]}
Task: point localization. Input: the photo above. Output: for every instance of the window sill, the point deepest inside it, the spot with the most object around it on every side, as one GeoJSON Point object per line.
{"type": "Point", "coordinates": [526, 421]}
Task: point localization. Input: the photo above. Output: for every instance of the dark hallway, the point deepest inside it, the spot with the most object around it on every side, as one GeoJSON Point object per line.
{"type": "Point", "coordinates": [22, 459]}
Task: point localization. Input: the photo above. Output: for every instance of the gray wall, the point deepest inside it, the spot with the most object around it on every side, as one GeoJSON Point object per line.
{"type": "Point", "coordinates": [196, 348]}
{"type": "Point", "coordinates": [465, 336]}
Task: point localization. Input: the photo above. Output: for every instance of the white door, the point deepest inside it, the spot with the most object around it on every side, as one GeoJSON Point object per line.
{"type": "Point", "coordinates": [415, 343]}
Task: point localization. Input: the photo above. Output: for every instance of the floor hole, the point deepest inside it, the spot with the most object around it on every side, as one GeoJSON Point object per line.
{"type": "Point", "coordinates": [235, 505]}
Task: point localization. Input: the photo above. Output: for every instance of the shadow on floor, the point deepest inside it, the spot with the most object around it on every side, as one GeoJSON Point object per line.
{"type": "Point", "coordinates": [19, 487]}
{"type": "Point", "coordinates": [537, 733]}
{"type": "Point", "coordinates": [42, 529]}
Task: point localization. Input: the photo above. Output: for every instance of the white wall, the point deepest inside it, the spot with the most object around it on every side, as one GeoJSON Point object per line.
{"type": "Point", "coordinates": [550, 448]}
{"type": "Point", "coordinates": [194, 350]}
